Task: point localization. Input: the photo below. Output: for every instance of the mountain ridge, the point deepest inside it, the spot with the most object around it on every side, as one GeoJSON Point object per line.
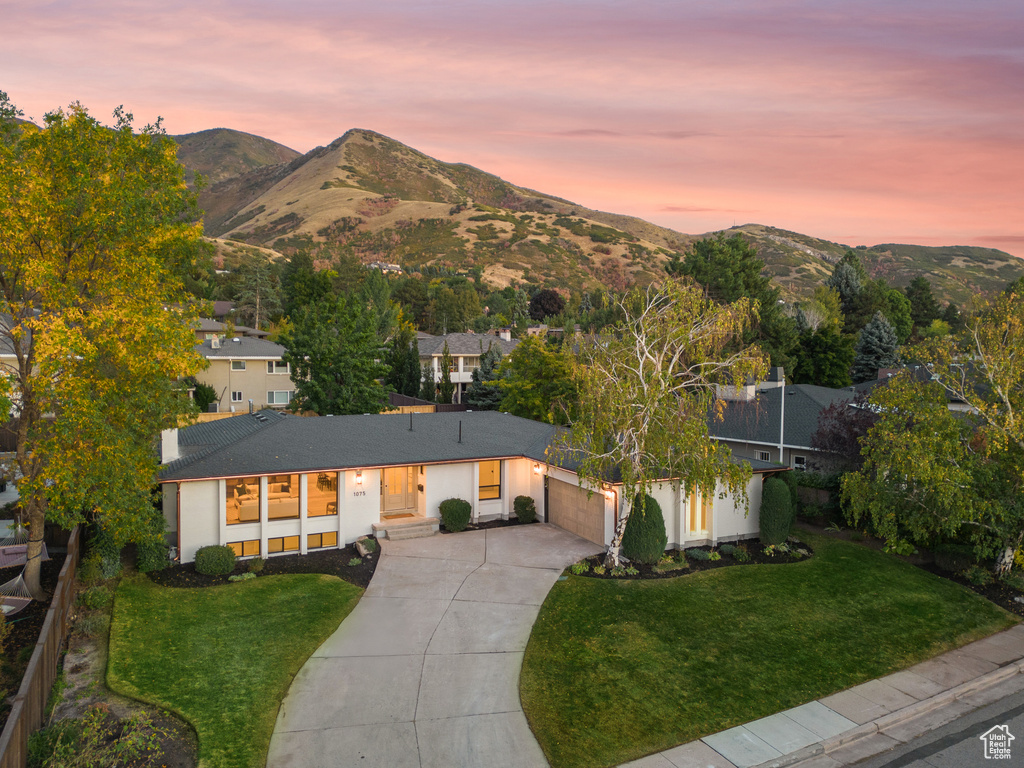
{"type": "Point", "coordinates": [369, 196]}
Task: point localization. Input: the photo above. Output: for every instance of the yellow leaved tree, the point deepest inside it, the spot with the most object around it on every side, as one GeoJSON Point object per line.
{"type": "Point", "coordinates": [97, 231]}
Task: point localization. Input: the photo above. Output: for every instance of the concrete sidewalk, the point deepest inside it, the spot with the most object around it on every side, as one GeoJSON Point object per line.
{"type": "Point", "coordinates": [867, 719]}
{"type": "Point", "coordinates": [424, 672]}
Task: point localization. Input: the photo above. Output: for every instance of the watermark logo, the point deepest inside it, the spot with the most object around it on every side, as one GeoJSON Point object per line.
{"type": "Point", "coordinates": [997, 742]}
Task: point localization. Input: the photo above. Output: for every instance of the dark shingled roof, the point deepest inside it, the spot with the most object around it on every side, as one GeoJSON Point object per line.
{"type": "Point", "coordinates": [287, 444]}
{"type": "Point", "coordinates": [465, 344]}
{"type": "Point", "coordinates": [244, 347]}
{"type": "Point", "coordinates": [274, 443]}
{"type": "Point", "coordinates": [757, 420]}
{"type": "Point", "coordinates": [200, 440]}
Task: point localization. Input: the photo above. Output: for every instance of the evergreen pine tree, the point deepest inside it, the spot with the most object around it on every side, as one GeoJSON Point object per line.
{"type": "Point", "coordinates": [428, 388]}
{"type": "Point", "coordinates": [876, 349]}
{"type": "Point", "coordinates": [411, 379]}
{"type": "Point", "coordinates": [484, 394]}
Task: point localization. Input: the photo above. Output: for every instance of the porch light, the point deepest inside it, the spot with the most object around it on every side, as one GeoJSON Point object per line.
{"type": "Point", "coordinates": [609, 493]}
{"type": "Point", "coordinates": [359, 477]}
{"type": "Point", "coordinates": [536, 469]}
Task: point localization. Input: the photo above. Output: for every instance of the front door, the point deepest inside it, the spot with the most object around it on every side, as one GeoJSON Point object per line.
{"type": "Point", "coordinates": [398, 493]}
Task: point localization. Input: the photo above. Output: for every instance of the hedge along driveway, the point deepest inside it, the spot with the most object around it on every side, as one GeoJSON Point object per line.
{"type": "Point", "coordinates": [222, 657]}
{"type": "Point", "coordinates": [619, 669]}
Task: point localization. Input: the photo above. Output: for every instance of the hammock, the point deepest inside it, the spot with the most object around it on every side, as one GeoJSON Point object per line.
{"type": "Point", "coordinates": [14, 549]}
{"type": "Point", "coordinates": [14, 595]}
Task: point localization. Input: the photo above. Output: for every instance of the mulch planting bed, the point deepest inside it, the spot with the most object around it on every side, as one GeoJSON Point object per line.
{"type": "Point", "coordinates": [997, 592]}
{"type": "Point", "coordinates": [334, 562]}
{"type": "Point", "coordinates": [489, 525]}
{"type": "Point", "coordinates": [754, 548]}
{"type": "Point", "coordinates": [25, 627]}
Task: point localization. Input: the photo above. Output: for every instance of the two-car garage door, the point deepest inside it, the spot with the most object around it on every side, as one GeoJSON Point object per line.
{"type": "Point", "coordinates": [569, 508]}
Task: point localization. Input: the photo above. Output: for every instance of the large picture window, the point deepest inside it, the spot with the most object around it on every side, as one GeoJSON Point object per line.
{"type": "Point", "coordinates": [276, 366]}
{"type": "Point", "coordinates": [490, 480]}
{"type": "Point", "coordinates": [282, 497]}
{"type": "Point", "coordinates": [243, 500]}
{"type": "Point", "coordinates": [322, 494]}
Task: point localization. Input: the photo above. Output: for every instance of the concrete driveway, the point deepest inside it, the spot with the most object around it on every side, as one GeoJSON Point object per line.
{"type": "Point", "coordinates": [424, 673]}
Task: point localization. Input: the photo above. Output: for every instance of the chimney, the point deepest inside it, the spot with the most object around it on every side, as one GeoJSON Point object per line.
{"type": "Point", "coordinates": [505, 334]}
{"type": "Point", "coordinates": [776, 378]}
{"type": "Point", "coordinates": [215, 342]}
{"type": "Point", "coordinates": [169, 446]}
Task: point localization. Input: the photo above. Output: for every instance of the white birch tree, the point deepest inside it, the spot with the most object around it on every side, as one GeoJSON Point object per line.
{"type": "Point", "coordinates": [647, 387]}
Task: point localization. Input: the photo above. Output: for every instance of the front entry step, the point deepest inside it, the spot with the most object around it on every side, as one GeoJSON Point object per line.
{"type": "Point", "coordinates": [408, 528]}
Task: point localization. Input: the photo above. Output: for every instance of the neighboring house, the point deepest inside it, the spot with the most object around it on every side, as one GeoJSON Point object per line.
{"type": "Point", "coordinates": [270, 483]}
{"type": "Point", "coordinates": [465, 350]}
{"type": "Point", "coordinates": [752, 423]}
{"type": "Point", "coordinates": [208, 329]}
{"type": "Point", "coordinates": [246, 373]}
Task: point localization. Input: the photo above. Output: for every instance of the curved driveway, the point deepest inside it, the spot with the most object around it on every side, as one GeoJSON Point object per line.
{"type": "Point", "coordinates": [424, 672]}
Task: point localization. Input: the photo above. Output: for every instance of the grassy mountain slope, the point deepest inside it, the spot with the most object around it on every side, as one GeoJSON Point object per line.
{"type": "Point", "coordinates": [220, 153]}
{"type": "Point", "coordinates": [368, 196]}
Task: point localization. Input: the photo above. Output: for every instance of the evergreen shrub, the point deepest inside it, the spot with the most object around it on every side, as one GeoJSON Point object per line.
{"type": "Point", "coordinates": [644, 540]}
{"type": "Point", "coordinates": [215, 561]}
{"type": "Point", "coordinates": [525, 509]}
{"type": "Point", "coordinates": [455, 514]}
{"type": "Point", "coordinates": [776, 511]}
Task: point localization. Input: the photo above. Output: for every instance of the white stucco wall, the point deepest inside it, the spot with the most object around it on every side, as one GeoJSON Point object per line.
{"type": "Point", "coordinates": [200, 522]}
{"type": "Point", "coordinates": [359, 504]}
{"type": "Point", "coordinates": [449, 481]}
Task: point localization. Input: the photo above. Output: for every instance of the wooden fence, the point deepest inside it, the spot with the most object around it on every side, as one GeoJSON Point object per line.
{"type": "Point", "coordinates": [30, 704]}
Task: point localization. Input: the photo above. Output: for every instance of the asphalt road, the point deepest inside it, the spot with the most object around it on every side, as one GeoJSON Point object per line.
{"type": "Point", "coordinates": [959, 745]}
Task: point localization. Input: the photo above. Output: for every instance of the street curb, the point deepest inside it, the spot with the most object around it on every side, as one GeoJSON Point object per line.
{"type": "Point", "coordinates": [900, 716]}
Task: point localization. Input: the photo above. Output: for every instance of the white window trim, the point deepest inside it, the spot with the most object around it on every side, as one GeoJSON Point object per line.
{"type": "Point", "coordinates": [238, 365]}
{"type": "Point", "coordinates": [764, 456]}
{"type": "Point", "coordinates": [272, 367]}
{"type": "Point", "coordinates": [236, 399]}
{"type": "Point", "coordinates": [272, 396]}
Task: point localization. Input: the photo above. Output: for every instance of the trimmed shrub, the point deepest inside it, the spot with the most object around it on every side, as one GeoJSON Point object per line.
{"type": "Point", "coordinates": [256, 565]}
{"type": "Point", "coordinates": [455, 514]}
{"type": "Point", "coordinates": [152, 556]}
{"type": "Point", "coordinates": [215, 561]}
{"type": "Point", "coordinates": [644, 539]}
{"type": "Point", "coordinates": [525, 509]}
{"type": "Point", "coordinates": [776, 511]}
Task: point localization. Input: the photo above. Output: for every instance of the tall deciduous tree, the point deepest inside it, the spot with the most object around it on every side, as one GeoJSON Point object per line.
{"type": "Point", "coordinates": [536, 382]}
{"type": "Point", "coordinates": [646, 390]}
{"type": "Point", "coordinates": [333, 351]}
{"type": "Point", "coordinates": [97, 232]}
{"type": "Point", "coordinates": [930, 473]}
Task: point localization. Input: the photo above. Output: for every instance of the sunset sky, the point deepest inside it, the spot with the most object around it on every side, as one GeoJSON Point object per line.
{"type": "Point", "coordinates": [860, 122]}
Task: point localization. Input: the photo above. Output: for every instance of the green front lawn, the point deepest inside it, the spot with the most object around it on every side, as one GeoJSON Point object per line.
{"type": "Point", "coordinates": [222, 657]}
{"type": "Point", "coordinates": [618, 669]}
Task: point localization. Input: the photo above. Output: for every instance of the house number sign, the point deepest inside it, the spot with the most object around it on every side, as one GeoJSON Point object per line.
{"type": "Point", "coordinates": [358, 493]}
